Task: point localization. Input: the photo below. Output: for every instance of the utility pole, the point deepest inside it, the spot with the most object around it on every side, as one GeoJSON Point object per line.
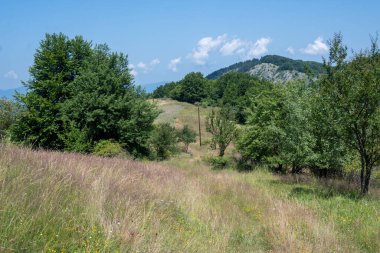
{"type": "Point", "coordinates": [199, 126]}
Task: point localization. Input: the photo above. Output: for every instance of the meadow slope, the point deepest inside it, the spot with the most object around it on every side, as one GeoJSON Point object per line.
{"type": "Point", "coordinates": [61, 202]}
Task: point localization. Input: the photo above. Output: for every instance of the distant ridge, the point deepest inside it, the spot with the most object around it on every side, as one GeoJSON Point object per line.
{"type": "Point", "coordinates": [9, 93]}
{"type": "Point", "coordinates": [273, 68]}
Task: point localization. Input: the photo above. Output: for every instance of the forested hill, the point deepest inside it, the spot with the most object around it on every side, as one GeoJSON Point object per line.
{"type": "Point", "coordinates": [273, 68]}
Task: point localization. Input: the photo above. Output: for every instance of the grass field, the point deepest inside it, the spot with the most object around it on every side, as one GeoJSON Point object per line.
{"type": "Point", "coordinates": [60, 202]}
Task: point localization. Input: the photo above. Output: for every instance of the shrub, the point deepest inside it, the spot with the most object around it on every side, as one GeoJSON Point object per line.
{"type": "Point", "coordinates": [108, 148]}
{"type": "Point", "coordinates": [8, 111]}
{"type": "Point", "coordinates": [163, 141]}
{"type": "Point", "coordinates": [187, 136]}
{"type": "Point", "coordinates": [76, 140]}
{"type": "Point", "coordinates": [218, 162]}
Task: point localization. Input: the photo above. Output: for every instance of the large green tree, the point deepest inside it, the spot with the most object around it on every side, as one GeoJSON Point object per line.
{"type": "Point", "coordinates": [193, 88]}
{"type": "Point", "coordinates": [351, 90]}
{"type": "Point", "coordinates": [79, 95]}
{"type": "Point", "coordinates": [263, 139]}
{"type": "Point", "coordinates": [277, 131]}
{"type": "Point", "coordinates": [57, 63]}
{"type": "Point", "coordinates": [106, 105]}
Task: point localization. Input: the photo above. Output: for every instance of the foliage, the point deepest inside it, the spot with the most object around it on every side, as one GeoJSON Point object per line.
{"type": "Point", "coordinates": [222, 127]}
{"type": "Point", "coordinates": [79, 95]}
{"type": "Point", "coordinates": [264, 137]}
{"type": "Point", "coordinates": [192, 88]}
{"type": "Point", "coordinates": [57, 63]}
{"type": "Point", "coordinates": [352, 93]}
{"type": "Point", "coordinates": [106, 104]}
{"type": "Point", "coordinates": [75, 139]}
{"type": "Point", "coordinates": [218, 162]}
{"type": "Point", "coordinates": [187, 136]}
{"type": "Point", "coordinates": [163, 141]}
{"type": "Point", "coordinates": [8, 113]}
{"type": "Point", "coordinates": [108, 148]}
{"type": "Point", "coordinates": [168, 90]}
{"type": "Point", "coordinates": [230, 91]}
{"type": "Point", "coordinates": [278, 131]}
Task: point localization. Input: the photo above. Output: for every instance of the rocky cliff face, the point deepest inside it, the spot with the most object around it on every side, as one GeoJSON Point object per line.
{"type": "Point", "coordinates": [272, 73]}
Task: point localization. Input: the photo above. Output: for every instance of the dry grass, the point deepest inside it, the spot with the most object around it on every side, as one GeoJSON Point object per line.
{"type": "Point", "coordinates": [55, 201]}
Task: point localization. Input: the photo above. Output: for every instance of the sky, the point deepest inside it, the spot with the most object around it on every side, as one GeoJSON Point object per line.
{"type": "Point", "coordinates": [167, 39]}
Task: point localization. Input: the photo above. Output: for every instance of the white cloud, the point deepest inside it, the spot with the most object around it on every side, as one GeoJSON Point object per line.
{"type": "Point", "coordinates": [317, 47]}
{"type": "Point", "coordinates": [236, 46]}
{"type": "Point", "coordinates": [229, 48]}
{"type": "Point", "coordinates": [173, 64]}
{"type": "Point", "coordinates": [132, 69]}
{"type": "Point", "coordinates": [147, 67]}
{"type": "Point", "coordinates": [290, 50]}
{"type": "Point", "coordinates": [204, 46]}
{"type": "Point", "coordinates": [154, 62]}
{"type": "Point", "coordinates": [258, 48]}
{"type": "Point", "coordinates": [246, 49]}
{"type": "Point", "coordinates": [142, 66]}
{"type": "Point", "coordinates": [11, 74]}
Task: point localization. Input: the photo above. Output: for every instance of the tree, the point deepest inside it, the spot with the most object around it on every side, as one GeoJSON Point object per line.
{"type": "Point", "coordinates": [277, 132]}
{"type": "Point", "coordinates": [163, 141]}
{"type": "Point", "coordinates": [187, 136]}
{"type": "Point", "coordinates": [57, 63]}
{"type": "Point", "coordinates": [222, 127]}
{"type": "Point", "coordinates": [192, 88]}
{"type": "Point", "coordinates": [106, 105]}
{"type": "Point", "coordinates": [352, 93]}
{"type": "Point", "coordinates": [297, 150]}
{"type": "Point", "coordinates": [264, 137]}
{"type": "Point", "coordinates": [231, 89]}
{"type": "Point", "coordinates": [79, 95]}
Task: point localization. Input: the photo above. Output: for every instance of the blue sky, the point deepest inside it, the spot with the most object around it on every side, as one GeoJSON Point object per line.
{"type": "Point", "coordinates": [167, 39]}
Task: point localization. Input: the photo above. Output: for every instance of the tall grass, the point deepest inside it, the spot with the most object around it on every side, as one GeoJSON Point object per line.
{"type": "Point", "coordinates": [54, 202]}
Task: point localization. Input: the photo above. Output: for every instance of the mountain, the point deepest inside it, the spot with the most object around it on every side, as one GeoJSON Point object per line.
{"type": "Point", "coordinates": [273, 68]}
{"type": "Point", "coordinates": [150, 87]}
{"type": "Point", "coordinates": [9, 93]}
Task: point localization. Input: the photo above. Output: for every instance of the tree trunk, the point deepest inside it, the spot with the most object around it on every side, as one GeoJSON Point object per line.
{"type": "Point", "coordinates": [365, 175]}
{"type": "Point", "coordinates": [362, 164]}
{"type": "Point", "coordinates": [221, 150]}
{"type": "Point", "coordinates": [296, 169]}
{"type": "Point", "coordinates": [280, 168]}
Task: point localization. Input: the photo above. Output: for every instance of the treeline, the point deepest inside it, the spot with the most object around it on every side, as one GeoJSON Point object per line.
{"type": "Point", "coordinates": [330, 126]}
{"type": "Point", "coordinates": [81, 98]}
{"type": "Point", "coordinates": [230, 91]}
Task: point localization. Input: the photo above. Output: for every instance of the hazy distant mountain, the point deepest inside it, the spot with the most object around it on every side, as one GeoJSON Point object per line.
{"type": "Point", "coordinates": [9, 93]}
{"type": "Point", "coordinates": [273, 68]}
{"type": "Point", "coordinates": [150, 87]}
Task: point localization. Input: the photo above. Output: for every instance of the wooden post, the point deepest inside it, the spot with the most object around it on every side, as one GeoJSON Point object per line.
{"type": "Point", "coordinates": [199, 126]}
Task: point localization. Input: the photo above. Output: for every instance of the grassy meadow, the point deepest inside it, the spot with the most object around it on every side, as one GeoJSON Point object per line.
{"type": "Point", "coordinates": [66, 202]}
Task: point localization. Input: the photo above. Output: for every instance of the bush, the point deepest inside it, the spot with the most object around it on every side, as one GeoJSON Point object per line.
{"type": "Point", "coordinates": [76, 140]}
{"type": "Point", "coordinates": [218, 162]}
{"type": "Point", "coordinates": [187, 136]}
{"type": "Point", "coordinates": [8, 111]}
{"type": "Point", "coordinates": [108, 148]}
{"type": "Point", "coordinates": [163, 141]}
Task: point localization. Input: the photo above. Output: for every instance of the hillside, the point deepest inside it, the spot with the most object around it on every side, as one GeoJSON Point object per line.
{"type": "Point", "coordinates": [273, 68]}
{"type": "Point", "coordinates": [61, 202]}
